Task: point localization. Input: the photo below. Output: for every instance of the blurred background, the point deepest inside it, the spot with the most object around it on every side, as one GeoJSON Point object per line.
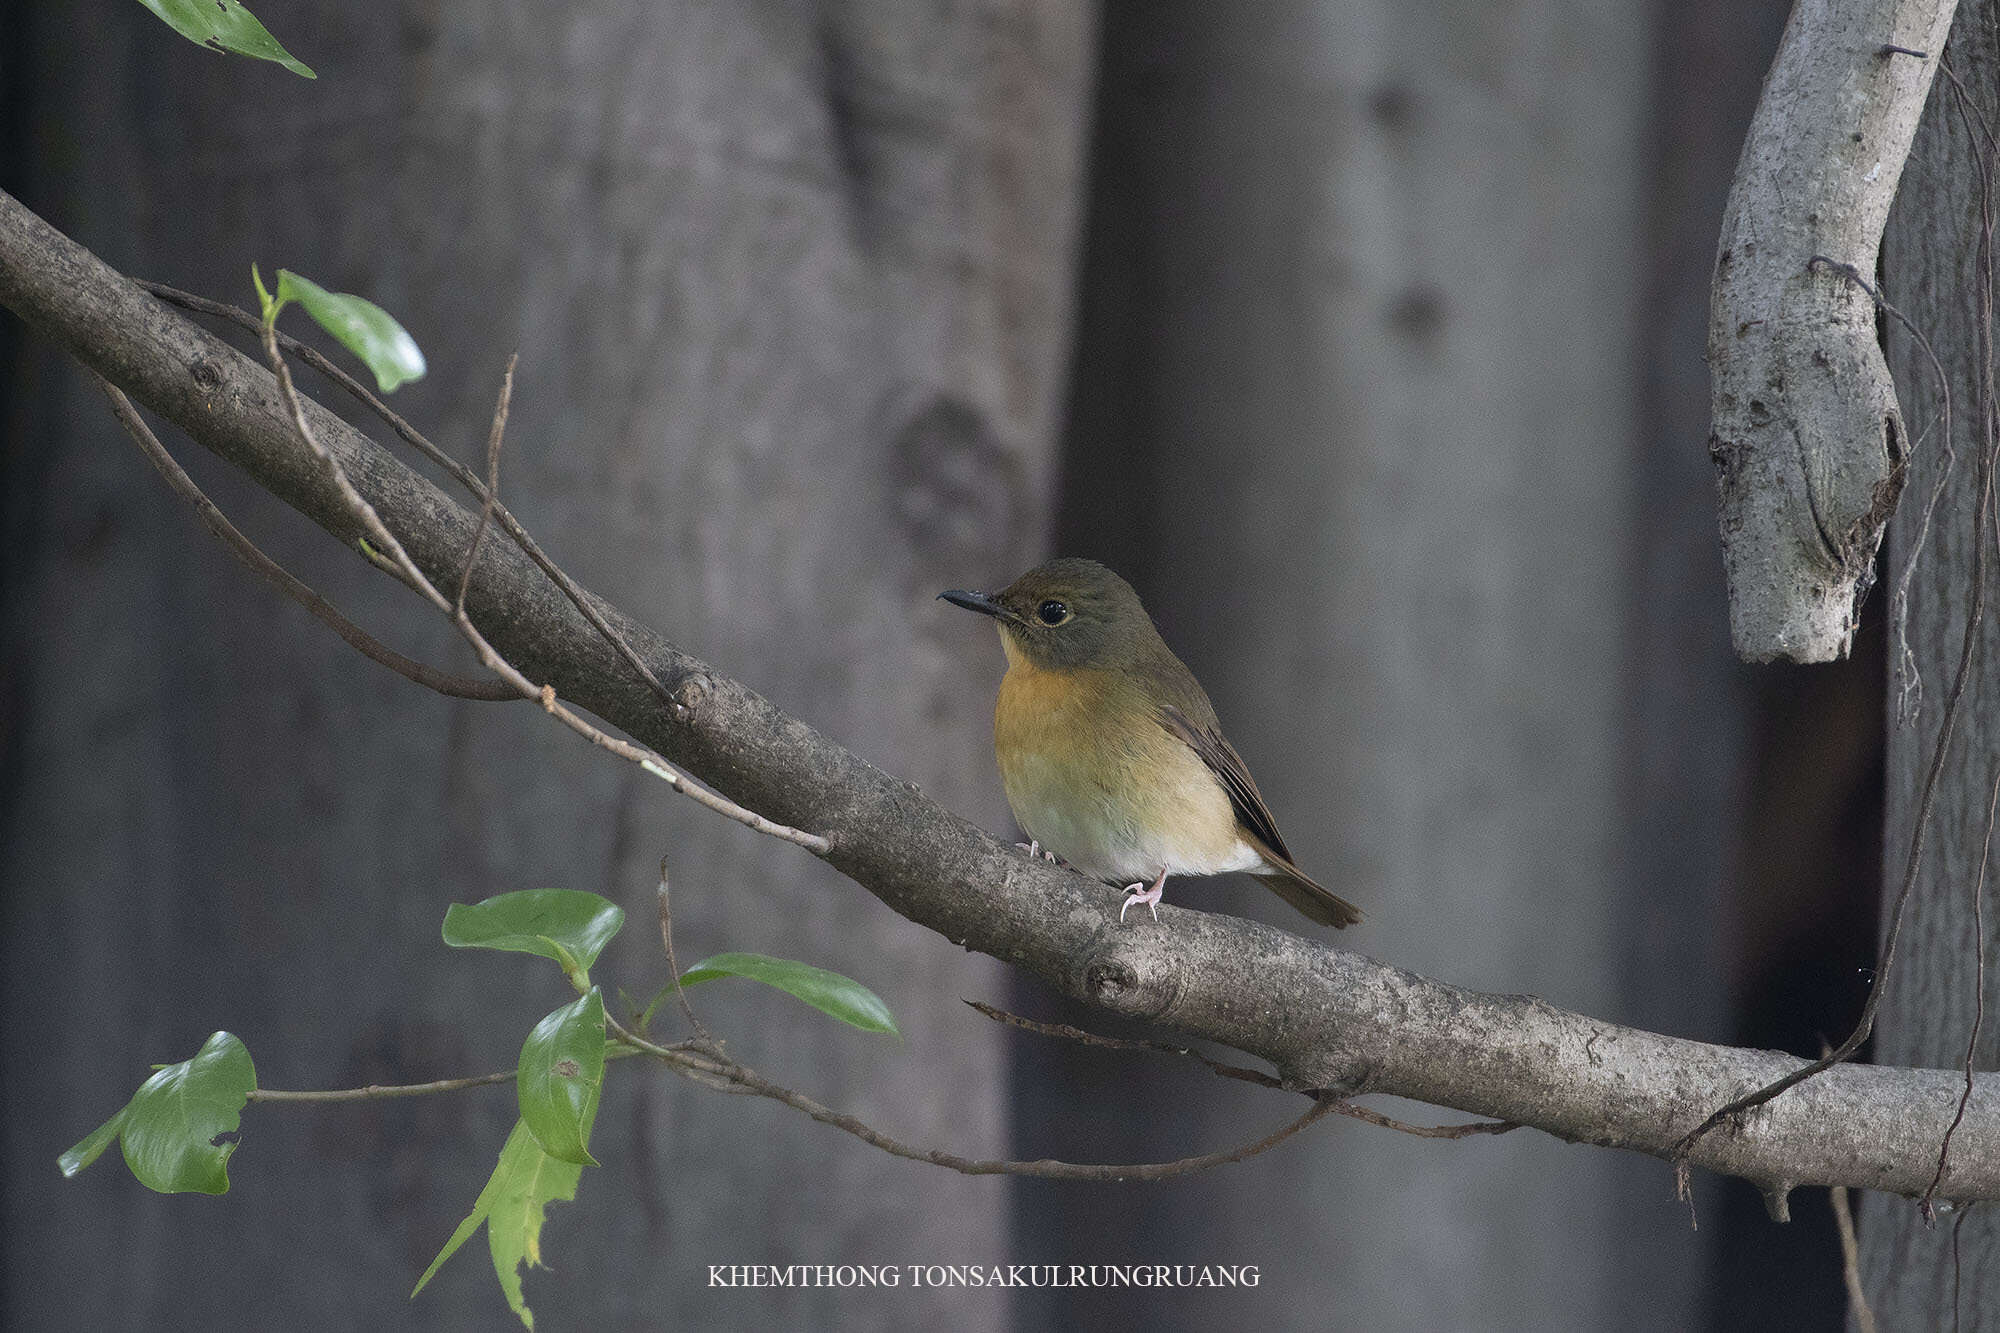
{"type": "Point", "coordinates": [1365, 338]}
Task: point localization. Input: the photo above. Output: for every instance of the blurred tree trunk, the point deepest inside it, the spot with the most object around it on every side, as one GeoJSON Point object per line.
{"type": "Point", "coordinates": [1928, 271]}
{"type": "Point", "coordinates": [1357, 406]}
{"type": "Point", "coordinates": [790, 286]}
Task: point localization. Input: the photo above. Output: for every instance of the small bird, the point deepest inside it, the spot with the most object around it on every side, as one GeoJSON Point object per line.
{"type": "Point", "coordinates": [1110, 751]}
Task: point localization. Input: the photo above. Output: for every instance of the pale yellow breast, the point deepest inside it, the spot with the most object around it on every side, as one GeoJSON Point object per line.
{"type": "Point", "coordinates": [1095, 778]}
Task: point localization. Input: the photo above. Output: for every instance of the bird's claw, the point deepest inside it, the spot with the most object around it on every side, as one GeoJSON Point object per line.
{"type": "Point", "coordinates": [1035, 850]}
{"type": "Point", "coordinates": [1140, 893]}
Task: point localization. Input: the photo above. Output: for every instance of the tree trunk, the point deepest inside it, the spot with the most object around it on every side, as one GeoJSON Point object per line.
{"type": "Point", "coordinates": [790, 287]}
{"type": "Point", "coordinates": [1355, 407]}
{"type": "Point", "coordinates": [1928, 270]}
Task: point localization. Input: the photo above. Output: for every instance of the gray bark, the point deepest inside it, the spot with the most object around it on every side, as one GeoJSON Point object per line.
{"type": "Point", "coordinates": [1927, 1013]}
{"type": "Point", "coordinates": [1807, 441]}
{"type": "Point", "coordinates": [790, 288]}
{"type": "Point", "coordinates": [1326, 1020]}
{"type": "Point", "coordinates": [1360, 349]}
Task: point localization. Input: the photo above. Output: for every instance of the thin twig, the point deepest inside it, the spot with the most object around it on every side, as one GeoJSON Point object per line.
{"type": "Point", "coordinates": [1466, 1130]}
{"type": "Point", "coordinates": [459, 472]}
{"type": "Point", "coordinates": [673, 963]}
{"type": "Point", "coordinates": [1257, 1076]}
{"type": "Point", "coordinates": [245, 550]}
{"type": "Point", "coordinates": [711, 1067]}
{"type": "Point", "coordinates": [1909, 681]}
{"type": "Point", "coordinates": [390, 547]}
{"type": "Point", "coordinates": [492, 481]}
{"type": "Point", "coordinates": [1044, 1169]}
{"type": "Point", "coordinates": [1068, 1033]}
{"type": "Point", "coordinates": [1957, 1268]}
{"type": "Point", "coordinates": [1850, 1259]}
{"type": "Point", "coordinates": [1924, 1206]}
{"type": "Point", "coordinates": [376, 1092]}
{"type": "Point", "coordinates": [739, 1077]}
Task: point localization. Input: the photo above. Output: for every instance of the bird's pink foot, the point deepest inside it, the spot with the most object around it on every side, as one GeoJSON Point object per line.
{"type": "Point", "coordinates": [1035, 849]}
{"type": "Point", "coordinates": [1140, 893]}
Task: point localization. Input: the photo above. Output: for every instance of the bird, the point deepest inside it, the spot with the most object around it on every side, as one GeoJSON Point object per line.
{"type": "Point", "coordinates": [1110, 751]}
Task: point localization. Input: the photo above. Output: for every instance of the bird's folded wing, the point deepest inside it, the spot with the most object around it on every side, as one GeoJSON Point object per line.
{"type": "Point", "coordinates": [1223, 761]}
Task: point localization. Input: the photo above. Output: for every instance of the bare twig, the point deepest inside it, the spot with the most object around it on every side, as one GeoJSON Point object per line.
{"type": "Point", "coordinates": [1068, 1033]}
{"type": "Point", "coordinates": [738, 1077]}
{"type": "Point", "coordinates": [389, 546]}
{"type": "Point", "coordinates": [1924, 1206]}
{"type": "Point", "coordinates": [417, 440]}
{"type": "Point", "coordinates": [1850, 1259]}
{"type": "Point", "coordinates": [673, 963]}
{"type": "Point", "coordinates": [493, 437]}
{"type": "Point", "coordinates": [1469, 1129]}
{"type": "Point", "coordinates": [377, 1092]}
{"type": "Point", "coordinates": [1957, 1267]}
{"type": "Point", "coordinates": [458, 687]}
{"type": "Point", "coordinates": [1261, 1079]}
{"type": "Point", "coordinates": [1909, 681]}
{"type": "Point", "coordinates": [1044, 1169]}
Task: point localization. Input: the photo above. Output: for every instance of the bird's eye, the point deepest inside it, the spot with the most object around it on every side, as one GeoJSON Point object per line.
{"type": "Point", "coordinates": [1052, 612]}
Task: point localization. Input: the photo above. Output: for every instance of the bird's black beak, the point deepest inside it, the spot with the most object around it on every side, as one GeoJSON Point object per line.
{"type": "Point", "coordinates": [976, 601]}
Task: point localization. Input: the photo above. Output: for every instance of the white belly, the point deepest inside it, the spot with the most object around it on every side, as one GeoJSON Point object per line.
{"type": "Point", "coordinates": [1098, 830]}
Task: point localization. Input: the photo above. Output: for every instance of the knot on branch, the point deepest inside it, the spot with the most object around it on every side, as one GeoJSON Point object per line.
{"type": "Point", "coordinates": [688, 696]}
{"type": "Point", "coordinates": [1132, 981]}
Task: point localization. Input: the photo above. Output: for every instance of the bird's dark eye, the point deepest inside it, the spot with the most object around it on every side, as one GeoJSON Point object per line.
{"type": "Point", "coordinates": [1052, 612]}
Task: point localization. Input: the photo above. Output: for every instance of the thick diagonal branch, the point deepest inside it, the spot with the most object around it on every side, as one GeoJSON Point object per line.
{"type": "Point", "coordinates": [1322, 1018]}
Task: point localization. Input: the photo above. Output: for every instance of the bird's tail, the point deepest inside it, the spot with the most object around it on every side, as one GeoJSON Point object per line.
{"type": "Point", "coordinates": [1315, 901]}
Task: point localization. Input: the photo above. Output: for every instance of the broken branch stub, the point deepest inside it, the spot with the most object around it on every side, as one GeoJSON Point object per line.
{"type": "Point", "coordinates": [1807, 440]}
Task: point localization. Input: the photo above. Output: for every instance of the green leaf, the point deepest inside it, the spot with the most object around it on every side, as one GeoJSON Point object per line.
{"type": "Point", "coordinates": [568, 925]}
{"type": "Point", "coordinates": [92, 1148]}
{"type": "Point", "coordinates": [561, 1075]}
{"type": "Point", "coordinates": [171, 1126]}
{"type": "Point", "coordinates": [225, 25]}
{"type": "Point", "coordinates": [525, 1181]}
{"type": "Point", "coordinates": [363, 328]}
{"type": "Point", "coordinates": [829, 992]}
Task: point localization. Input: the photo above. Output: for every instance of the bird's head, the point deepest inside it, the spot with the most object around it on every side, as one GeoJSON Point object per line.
{"type": "Point", "coordinates": [1065, 615]}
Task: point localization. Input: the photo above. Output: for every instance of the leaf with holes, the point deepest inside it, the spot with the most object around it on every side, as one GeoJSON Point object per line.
{"type": "Point", "coordinates": [560, 1077]}
{"type": "Point", "coordinates": [524, 1183]}
{"type": "Point", "coordinates": [225, 25]}
{"type": "Point", "coordinates": [173, 1130]}
{"type": "Point", "coordinates": [829, 992]}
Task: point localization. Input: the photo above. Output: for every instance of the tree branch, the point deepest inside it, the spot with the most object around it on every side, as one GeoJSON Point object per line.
{"type": "Point", "coordinates": [1257, 1076]}
{"type": "Point", "coordinates": [1322, 1018]}
{"type": "Point", "coordinates": [1808, 442]}
{"type": "Point", "coordinates": [246, 551]}
{"type": "Point", "coordinates": [416, 439]}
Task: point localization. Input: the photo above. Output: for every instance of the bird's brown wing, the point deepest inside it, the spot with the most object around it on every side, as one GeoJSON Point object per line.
{"type": "Point", "coordinates": [1227, 765]}
{"type": "Point", "coordinates": [1310, 897]}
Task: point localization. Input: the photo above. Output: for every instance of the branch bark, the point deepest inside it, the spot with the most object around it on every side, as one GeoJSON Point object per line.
{"type": "Point", "coordinates": [1807, 439]}
{"type": "Point", "coordinates": [1324, 1019]}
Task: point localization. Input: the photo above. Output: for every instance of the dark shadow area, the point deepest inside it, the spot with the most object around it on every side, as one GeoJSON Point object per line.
{"type": "Point", "coordinates": [1803, 951]}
